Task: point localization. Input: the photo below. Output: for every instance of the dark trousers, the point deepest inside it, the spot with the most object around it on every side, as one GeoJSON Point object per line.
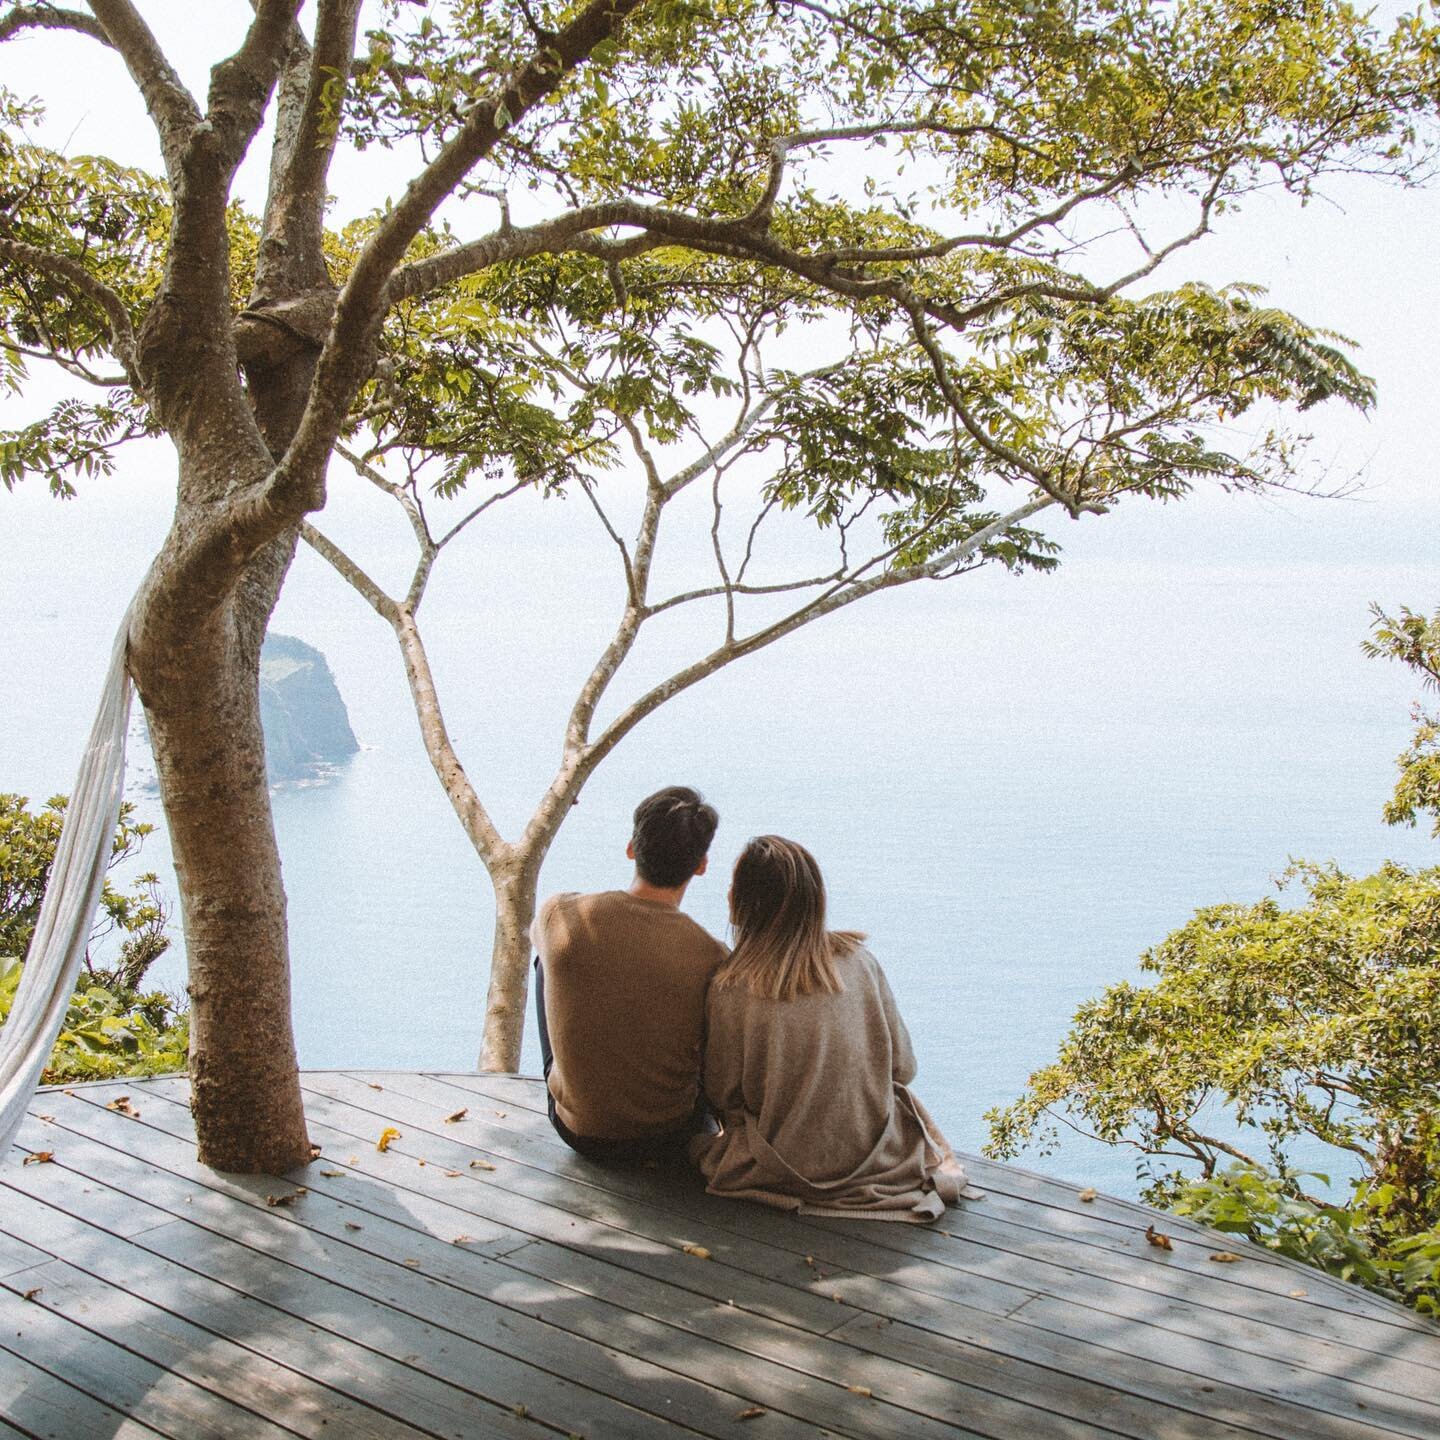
{"type": "Point", "coordinates": [667, 1148]}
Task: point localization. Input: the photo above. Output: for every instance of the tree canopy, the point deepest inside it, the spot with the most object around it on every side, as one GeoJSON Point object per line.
{"type": "Point", "coordinates": [963, 205]}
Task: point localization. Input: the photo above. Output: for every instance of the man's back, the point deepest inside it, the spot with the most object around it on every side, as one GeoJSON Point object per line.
{"type": "Point", "coordinates": [625, 980]}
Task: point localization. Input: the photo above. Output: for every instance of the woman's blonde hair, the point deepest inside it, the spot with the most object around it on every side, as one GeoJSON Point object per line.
{"type": "Point", "coordinates": [777, 914]}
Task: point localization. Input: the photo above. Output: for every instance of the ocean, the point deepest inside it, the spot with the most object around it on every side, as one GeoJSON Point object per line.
{"type": "Point", "coordinates": [1013, 784]}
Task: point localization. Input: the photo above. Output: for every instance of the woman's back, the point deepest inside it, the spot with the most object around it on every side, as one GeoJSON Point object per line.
{"type": "Point", "coordinates": [812, 1094]}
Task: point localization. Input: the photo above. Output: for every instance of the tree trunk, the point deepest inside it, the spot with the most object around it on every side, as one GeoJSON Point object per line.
{"type": "Point", "coordinates": [515, 885]}
{"type": "Point", "coordinates": [200, 686]}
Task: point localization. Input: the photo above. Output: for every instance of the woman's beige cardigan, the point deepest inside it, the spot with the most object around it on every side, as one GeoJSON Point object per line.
{"type": "Point", "coordinates": [812, 1094]}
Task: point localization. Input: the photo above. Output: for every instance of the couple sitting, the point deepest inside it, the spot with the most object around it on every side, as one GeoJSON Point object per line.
{"type": "Point", "coordinates": [650, 1031]}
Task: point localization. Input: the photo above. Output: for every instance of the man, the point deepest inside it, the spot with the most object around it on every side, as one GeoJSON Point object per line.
{"type": "Point", "coordinates": [620, 980]}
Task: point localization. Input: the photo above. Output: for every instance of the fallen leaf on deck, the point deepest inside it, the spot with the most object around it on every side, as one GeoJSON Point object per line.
{"type": "Point", "coordinates": [462, 1239]}
{"type": "Point", "coordinates": [862, 1390]}
{"type": "Point", "coordinates": [1298, 1294]}
{"type": "Point", "coordinates": [1158, 1239]}
{"type": "Point", "coordinates": [121, 1106]}
{"type": "Point", "coordinates": [410, 1260]}
{"type": "Point", "coordinates": [753, 1413]}
{"type": "Point", "coordinates": [1225, 1257]}
{"type": "Point", "coordinates": [31, 1294]}
{"type": "Point", "coordinates": [835, 1296]}
{"type": "Point", "coordinates": [351, 1225]}
{"type": "Point", "coordinates": [809, 1259]}
{"type": "Point", "coordinates": [274, 1200]}
{"type": "Point", "coordinates": [457, 1116]}
{"type": "Point", "coordinates": [40, 1157]}
{"type": "Point", "coordinates": [500, 1113]}
{"type": "Point", "coordinates": [1088, 1194]}
{"type": "Point", "coordinates": [421, 1163]}
{"type": "Point", "coordinates": [481, 1165]}
{"type": "Point", "coordinates": [50, 1119]}
{"type": "Point", "coordinates": [452, 1174]}
{"type": "Point", "coordinates": [698, 1251]}
{"type": "Point", "coordinates": [387, 1138]}
{"type": "Point", "coordinates": [333, 1174]}
{"type": "Point", "coordinates": [314, 1152]}
{"type": "Point", "coordinates": [523, 1411]}
{"type": "Point", "coordinates": [373, 1085]}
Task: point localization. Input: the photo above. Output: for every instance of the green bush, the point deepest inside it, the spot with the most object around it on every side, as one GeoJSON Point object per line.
{"type": "Point", "coordinates": [113, 1027]}
{"type": "Point", "coordinates": [107, 1033]}
{"type": "Point", "coordinates": [1351, 1242]}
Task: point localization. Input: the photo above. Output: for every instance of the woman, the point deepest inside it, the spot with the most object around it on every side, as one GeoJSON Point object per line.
{"type": "Point", "coordinates": [807, 1061]}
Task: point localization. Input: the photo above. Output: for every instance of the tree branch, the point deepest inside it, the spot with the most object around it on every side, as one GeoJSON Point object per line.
{"type": "Point", "coordinates": [67, 363]}
{"type": "Point", "coordinates": [350, 572]}
{"type": "Point", "coordinates": [50, 17]}
{"type": "Point", "coordinates": [312, 98]}
{"type": "Point", "coordinates": [76, 275]}
{"type": "Point", "coordinates": [298, 483]}
{"type": "Point", "coordinates": [171, 105]}
{"type": "Point", "coordinates": [834, 600]}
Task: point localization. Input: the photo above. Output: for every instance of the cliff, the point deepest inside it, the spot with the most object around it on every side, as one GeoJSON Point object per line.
{"type": "Point", "coordinates": [307, 728]}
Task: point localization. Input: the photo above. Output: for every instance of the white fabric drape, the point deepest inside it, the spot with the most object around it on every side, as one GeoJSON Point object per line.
{"type": "Point", "coordinates": [68, 909]}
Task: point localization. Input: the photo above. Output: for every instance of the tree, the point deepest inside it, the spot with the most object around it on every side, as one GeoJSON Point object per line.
{"type": "Point", "coordinates": [112, 1027]}
{"type": "Point", "coordinates": [667, 146]}
{"type": "Point", "coordinates": [1266, 1023]}
{"type": "Point", "coordinates": [27, 851]}
{"type": "Point", "coordinates": [1414, 641]}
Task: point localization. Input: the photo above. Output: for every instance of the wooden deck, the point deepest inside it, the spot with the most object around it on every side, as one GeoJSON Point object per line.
{"type": "Point", "coordinates": [479, 1279]}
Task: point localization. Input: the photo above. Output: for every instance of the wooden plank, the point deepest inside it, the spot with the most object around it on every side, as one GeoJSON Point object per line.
{"type": "Point", "coordinates": [376, 1382]}
{"type": "Point", "coordinates": [16, 1255]}
{"type": "Point", "coordinates": [41, 1407]}
{"type": "Point", "coordinates": [1055, 1388]}
{"type": "Point", "coordinates": [870, 1292]}
{"type": "Point", "coordinates": [108, 1372]}
{"type": "Point", "coordinates": [197, 1351]}
{"type": "Point", "coordinates": [442, 1329]}
{"type": "Point", "coordinates": [1266, 1416]}
{"type": "Point", "coordinates": [1050, 1205]}
{"type": "Point", "coordinates": [602, 1321]}
{"type": "Point", "coordinates": [1302, 1377]}
{"type": "Point", "coordinates": [1206, 1308]}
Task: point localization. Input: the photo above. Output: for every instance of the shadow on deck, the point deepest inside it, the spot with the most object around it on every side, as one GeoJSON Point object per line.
{"type": "Point", "coordinates": [479, 1279]}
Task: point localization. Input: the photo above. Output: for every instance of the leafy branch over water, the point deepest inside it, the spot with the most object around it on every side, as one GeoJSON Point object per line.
{"type": "Point", "coordinates": [1266, 1023]}
{"type": "Point", "coordinates": [113, 1027]}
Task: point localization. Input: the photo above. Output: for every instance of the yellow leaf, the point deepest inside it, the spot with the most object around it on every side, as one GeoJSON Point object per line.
{"type": "Point", "coordinates": [1088, 1194]}
{"type": "Point", "coordinates": [862, 1390]}
{"type": "Point", "coordinates": [698, 1251]}
{"type": "Point", "coordinates": [1158, 1239]}
{"type": "Point", "coordinates": [1298, 1294]}
{"type": "Point", "coordinates": [334, 1174]}
{"type": "Point", "coordinates": [387, 1138]}
{"type": "Point", "coordinates": [40, 1157]}
{"type": "Point", "coordinates": [457, 1116]}
{"type": "Point", "coordinates": [1225, 1257]}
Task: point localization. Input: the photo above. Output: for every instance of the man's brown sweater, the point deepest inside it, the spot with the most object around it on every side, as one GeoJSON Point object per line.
{"type": "Point", "coordinates": [625, 983]}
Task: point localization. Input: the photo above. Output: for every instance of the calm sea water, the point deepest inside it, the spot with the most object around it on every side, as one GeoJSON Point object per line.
{"type": "Point", "coordinates": [1014, 785]}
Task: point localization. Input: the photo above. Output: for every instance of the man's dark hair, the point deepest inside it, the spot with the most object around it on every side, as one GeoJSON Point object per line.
{"type": "Point", "coordinates": [673, 830]}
